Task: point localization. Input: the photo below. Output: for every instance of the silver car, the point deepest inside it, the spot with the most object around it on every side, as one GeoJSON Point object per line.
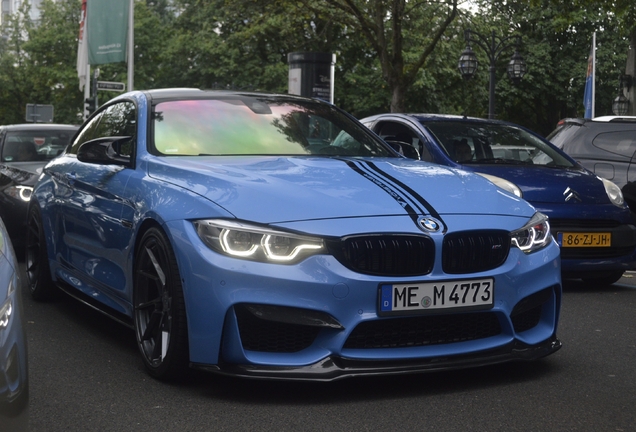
{"type": "Point", "coordinates": [14, 382]}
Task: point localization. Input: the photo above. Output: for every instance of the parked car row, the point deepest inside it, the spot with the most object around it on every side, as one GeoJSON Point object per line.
{"type": "Point", "coordinates": [588, 216]}
{"type": "Point", "coordinates": [274, 236]}
{"type": "Point", "coordinates": [24, 150]}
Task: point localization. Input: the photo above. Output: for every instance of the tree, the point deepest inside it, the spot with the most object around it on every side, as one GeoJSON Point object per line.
{"type": "Point", "coordinates": [556, 41]}
{"type": "Point", "coordinates": [401, 34]}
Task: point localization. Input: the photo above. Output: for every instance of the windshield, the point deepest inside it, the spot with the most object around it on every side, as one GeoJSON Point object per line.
{"type": "Point", "coordinates": [562, 134]}
{"type": "Point", "coordinates": [34, 145]}
{"type": "Point", "coordinates": [242, 125]}
{"type": "Point", "coordinates": [482, 143]}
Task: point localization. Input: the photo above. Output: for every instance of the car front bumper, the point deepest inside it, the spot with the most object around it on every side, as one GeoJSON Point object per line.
{"type": "Point", "coordinates": [334, 328]}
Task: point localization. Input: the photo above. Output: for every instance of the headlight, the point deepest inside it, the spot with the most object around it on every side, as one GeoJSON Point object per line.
{"type": "Point", "coordinates": [19, 192]}
{"type": "Point", "coordinates": [502, 183]}
{"type": "Point", "coordinates": [613, 192]}
{"type": "Point", "coordinates": [534, 235]}
{"type": "Point", "coordinates": [6, 309]}
{"type": "Point", "coordinates": [256, 243]}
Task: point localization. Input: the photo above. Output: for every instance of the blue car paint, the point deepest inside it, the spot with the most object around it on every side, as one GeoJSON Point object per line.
{"type": "Point", "coordinates": [320, 196]}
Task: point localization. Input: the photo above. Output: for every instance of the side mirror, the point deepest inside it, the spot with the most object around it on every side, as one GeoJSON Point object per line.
{"type": "Point", "coordinates": [115, 150]}
{"type": "Point", "coordinates": [405, 149]}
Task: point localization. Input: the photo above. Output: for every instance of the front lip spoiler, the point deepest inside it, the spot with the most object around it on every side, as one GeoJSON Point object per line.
{"type": "Point", "coordinates": [334, 368]}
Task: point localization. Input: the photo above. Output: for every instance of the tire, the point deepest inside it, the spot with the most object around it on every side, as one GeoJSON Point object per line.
{"type": "Point", "coordinates": [604, 279]}
{"type": "Point", "coordinates": [159, 313]}
{"type": "Point", "coordinates": [38, 272]}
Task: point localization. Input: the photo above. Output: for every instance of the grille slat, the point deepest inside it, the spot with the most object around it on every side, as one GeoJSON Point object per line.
{"type": "Point", "coordinates": [474, 251]}
{"type": "Point", "coordinates": [395, 255]}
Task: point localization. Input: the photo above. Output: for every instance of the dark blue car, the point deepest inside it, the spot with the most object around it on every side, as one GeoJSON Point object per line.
{"type": "Point", "coordinates": [588, 215]}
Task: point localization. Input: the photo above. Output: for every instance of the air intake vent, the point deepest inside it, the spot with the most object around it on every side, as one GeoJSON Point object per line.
{"type": "Point", "coordinates": [423, 330]}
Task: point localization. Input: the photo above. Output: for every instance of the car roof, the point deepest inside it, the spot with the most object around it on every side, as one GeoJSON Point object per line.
{"type": "Point", "coordinates": [38, 126]}
{"type": "Point", "coordinates": [424, 117]}
{"type": "Point", "coordinates": [159, 95]}
{"type": "Point", "coordinates": [601, 119]}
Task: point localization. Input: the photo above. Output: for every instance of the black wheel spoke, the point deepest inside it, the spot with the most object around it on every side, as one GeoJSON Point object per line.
{"type": "Point", "coordinates": [156, 349]}
{"type": "Point", "coordinates": [149, 304]}
{"type": "Point", "coordinates": [161, 335]}
{"type": "Point", "coordinates": [153, 327]}
{"type": "Point", "coordinates": [149, 276]}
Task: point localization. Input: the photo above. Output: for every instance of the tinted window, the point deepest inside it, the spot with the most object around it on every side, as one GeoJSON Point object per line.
{"type": "Point", "coordinates": [269, 126]}
{"type": "Point", "coordinates": [117, 120]}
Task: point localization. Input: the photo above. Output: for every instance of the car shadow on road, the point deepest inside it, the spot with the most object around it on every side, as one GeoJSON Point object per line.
{"type": "Point", "coordinates": [624, 284]}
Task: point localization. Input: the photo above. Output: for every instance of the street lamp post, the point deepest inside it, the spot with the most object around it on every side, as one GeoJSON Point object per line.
{"type": "Point", "coordinates": [493, 46]}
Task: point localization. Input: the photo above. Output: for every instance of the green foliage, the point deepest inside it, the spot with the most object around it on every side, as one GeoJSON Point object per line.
{"type": "Point", "coordinates": [390, 54]}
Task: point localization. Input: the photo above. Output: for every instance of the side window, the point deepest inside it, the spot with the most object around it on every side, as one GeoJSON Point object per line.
{"type": "Point", "coordinates": [393, 131]}
{"type": "Point", "coordinates": [622, 143]}
{"type": "Point", "coordinates": [86, 134]}
{"type": "Point", "coordinates": [119, 119]}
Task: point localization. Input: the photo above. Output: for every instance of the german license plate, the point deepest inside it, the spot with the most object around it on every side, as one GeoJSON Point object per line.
{"type": "Point", "coordinates": [583, 239]}
{"type": "Point", "coordinates": [430, 296]}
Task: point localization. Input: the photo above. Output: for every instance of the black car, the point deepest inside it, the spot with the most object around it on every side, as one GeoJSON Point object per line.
{"type": "Point", "coordinates": [604, 145]}
{"type": "Point", "coordinates": [24, 150]}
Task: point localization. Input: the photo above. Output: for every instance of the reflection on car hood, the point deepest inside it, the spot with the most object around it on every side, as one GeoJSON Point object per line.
{"type": "Point", "coordinates": [548, 185]}
{"type": "Point", "coordinates": [278, 189]}
{"type": "Point", "coordinates": [25, 173]}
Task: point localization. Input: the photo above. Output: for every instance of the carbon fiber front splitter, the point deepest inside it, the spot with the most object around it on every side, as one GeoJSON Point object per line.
{"type": "Point", "coordinates": [334, 368]}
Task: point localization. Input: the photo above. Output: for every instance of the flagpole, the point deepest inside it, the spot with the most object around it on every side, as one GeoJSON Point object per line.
{"type": "Point", "coordinates": [593, 73]}
{"type": "Point", "coordinates": [131, 46]}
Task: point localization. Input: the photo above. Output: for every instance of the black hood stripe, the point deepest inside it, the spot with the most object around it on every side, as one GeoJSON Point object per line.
{"type": "Point", "coordinates": [406, 197]}
{"type": "Point", "coordinates": [425, 205]}
{"type": "Point", "coordinates": [413, 214]}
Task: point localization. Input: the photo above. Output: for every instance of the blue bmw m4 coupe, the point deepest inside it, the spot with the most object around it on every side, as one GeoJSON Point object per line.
{"type": "Point", "coordinates": [273, 236]}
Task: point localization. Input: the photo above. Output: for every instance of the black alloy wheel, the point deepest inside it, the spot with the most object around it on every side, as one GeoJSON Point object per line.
{"type": "Point", "coordinates": [159, 315]}
{"type": "Point", "coordinates": [38, 272]}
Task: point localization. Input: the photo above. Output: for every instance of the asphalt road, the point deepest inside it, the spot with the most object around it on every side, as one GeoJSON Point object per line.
{"type": "Point", "coordinates": [86, 375]}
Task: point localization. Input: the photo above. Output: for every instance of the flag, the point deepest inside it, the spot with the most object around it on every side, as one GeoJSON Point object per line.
{"type": "Point", "coordinates": [82, 50]}
{"type": "Point", "coordinates": [108, 32]}
{"type": "Point", "coordinates": [588, 97]}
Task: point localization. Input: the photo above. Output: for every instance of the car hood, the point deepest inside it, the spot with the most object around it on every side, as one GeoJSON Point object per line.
{"type": "Point", "coordinates": [24, 173]}
{"type": "Point", "coordinates": [283, 189]}
{"type": "Point", "coordinates": [548, 185]}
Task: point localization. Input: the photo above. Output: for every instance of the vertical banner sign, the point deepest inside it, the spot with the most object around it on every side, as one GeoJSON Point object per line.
{"type": "Point", "coordinates": [82, 50]}
{"type": "Point", "coordinates": [107, 30]}
{"type": "Point", "coordinates": [588, 97]}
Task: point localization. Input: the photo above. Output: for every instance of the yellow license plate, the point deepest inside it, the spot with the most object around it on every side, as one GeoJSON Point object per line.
{"type": "Point", "coordinates": [583, 239]}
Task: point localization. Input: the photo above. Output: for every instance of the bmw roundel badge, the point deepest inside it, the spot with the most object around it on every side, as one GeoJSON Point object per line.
{"type": "Point", "coordinates": [429, 224]}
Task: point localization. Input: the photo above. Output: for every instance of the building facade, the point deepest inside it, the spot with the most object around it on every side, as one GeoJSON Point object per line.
{"type": "Point", "coordinates": [11, 6]}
